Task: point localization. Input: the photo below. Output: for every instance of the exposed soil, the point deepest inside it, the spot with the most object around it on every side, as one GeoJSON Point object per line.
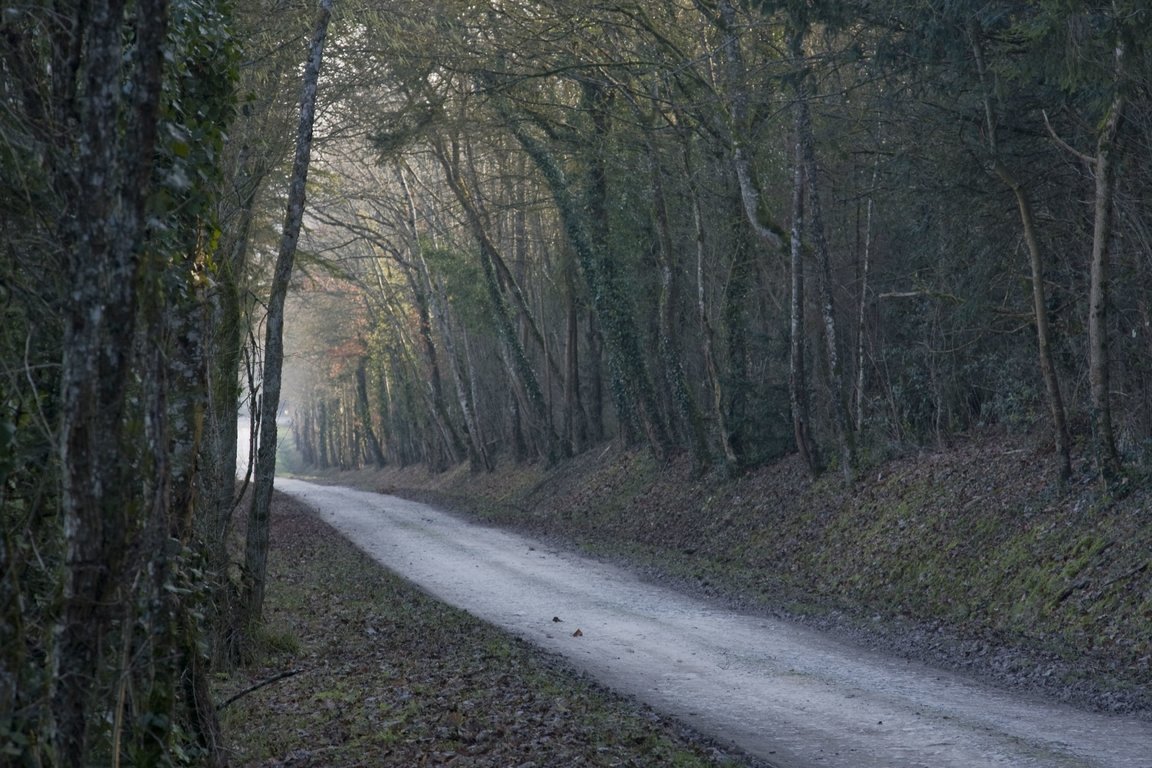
{"type": "Point", "coordinates": [967, 558]}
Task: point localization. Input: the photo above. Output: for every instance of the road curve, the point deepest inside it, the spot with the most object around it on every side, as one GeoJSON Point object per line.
{"type": "Point", "coordinates": [783, 693]}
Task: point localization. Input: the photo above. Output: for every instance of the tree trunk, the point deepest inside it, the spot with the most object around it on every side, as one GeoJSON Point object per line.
{"type": "Point", "coordinates": [734, 314]}
{"type": "Point", "coordinates": [862, 306]}
{"type": "Point", "coordinates": [364, 412]}
{"type": "Point", "coordinates": [1099, 374]}
{"type": "Point", "coordinates": [224, 310]}
{"type": "Point", "coordinates": [469, 398]}
{"type": "Point", "coordinates": [597, 271]}
{"type": "Point", "coordinates": [797, 366]}
{"type": "Point", "coordinates": [105, 184]}
{"type": "Point", "coordinates": [595, 379]}
{"type": "Point", "coordinates": [735, 80]}
{"type": "Point", "coordinates": [256, 545]}
{"type": "Point", "coordinates": [575, 419]}
{"type": "Point", "coordinates": [683, 404]}
{"type": "Point", "coordinates": [1036, 263]}
{"type": "Point", "coordinates": [708, 335]}
{"type": "Point", "coordinates": [1043, 335]}
{"type": "Point", "coordinates": [844, 434]}
{"type": "Point", "coordinates": [519, 367]}
{"type": "Point", "coordinates": [183, 386]}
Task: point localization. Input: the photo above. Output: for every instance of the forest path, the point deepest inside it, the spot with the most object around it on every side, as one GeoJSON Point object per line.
{"type": "Point", "coordinates": [777, 691]}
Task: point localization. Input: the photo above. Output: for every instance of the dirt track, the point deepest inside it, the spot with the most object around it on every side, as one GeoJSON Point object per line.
{"type": "Point", "coordinates": [782, 693]}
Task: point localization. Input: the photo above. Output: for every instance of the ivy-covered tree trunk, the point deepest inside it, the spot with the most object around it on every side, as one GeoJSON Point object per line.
{"type": "Point", "coordinates": [225, 325]}
{"type": "Point", "coordinates": [734, 316]}
{"type": "Point", "coordinates": [105, 177]}
{"type": "Point", "coordinates": [575, 429]}
{"type": "Point", "coordinates": [667, 309]}
{"type": "Point", "coordinates": [595, 377]}
{"type": "Point", "coordinates": [633, 391]}
{"type": "Point", "coordinates": [256, 544]}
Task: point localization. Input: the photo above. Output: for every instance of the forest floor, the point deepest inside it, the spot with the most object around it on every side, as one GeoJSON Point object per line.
{"type": "Point", "coordinates": [969, 558]}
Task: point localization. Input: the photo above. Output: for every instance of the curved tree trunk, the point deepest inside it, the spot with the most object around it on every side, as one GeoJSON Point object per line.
{"type": "Point", "coordinates": [736, 82]}
{"type": "Point", "coordinates": [1036, 264]}
{"type": "Point", "coordinates": [519, 367]}
{"type": "Point", "coordinates": [632, 386]}
{"type": "Point", "coordinates": [1062, 440]}
{"type": "Point", "coordinates": [256, 544]}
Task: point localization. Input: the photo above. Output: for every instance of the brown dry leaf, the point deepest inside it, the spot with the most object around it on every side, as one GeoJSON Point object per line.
{"type": "Point", "coordinates": [577, 633]}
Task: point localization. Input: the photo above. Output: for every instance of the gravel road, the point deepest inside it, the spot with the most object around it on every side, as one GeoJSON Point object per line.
{"type": "Point", "coordinates": [784, 694]}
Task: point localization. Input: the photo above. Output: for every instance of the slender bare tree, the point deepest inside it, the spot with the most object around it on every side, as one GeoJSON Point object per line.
{"type": "Point", "coordinates": [256, 544]}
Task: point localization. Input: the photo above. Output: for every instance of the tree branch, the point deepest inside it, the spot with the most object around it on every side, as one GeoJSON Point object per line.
{"type": "Point", "coordinates": [1065, 145]}
{"type": "Point", "coordinates": [253, 688]}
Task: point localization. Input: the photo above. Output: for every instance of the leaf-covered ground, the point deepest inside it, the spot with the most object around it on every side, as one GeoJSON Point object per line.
{"type": "Point", "coordinates": [969, 557]}
{"type": "Point", "coordinates": [386, 676]}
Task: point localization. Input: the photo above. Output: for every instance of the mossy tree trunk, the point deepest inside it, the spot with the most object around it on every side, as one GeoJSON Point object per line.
{"type": "Point", "coordinates": [668, 307]}
{"type": "Point", "coordinates": [633, 392]}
